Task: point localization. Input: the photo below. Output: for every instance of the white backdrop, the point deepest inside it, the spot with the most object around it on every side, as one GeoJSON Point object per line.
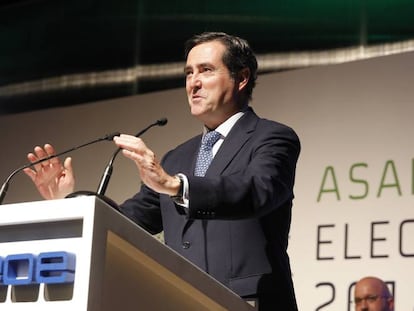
{"type": "Point", "coordinates": [353, 212]}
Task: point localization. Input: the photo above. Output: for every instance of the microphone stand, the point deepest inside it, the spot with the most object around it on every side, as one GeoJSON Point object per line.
{"type": "Point", "coordinates": [100, 193]}
{"type": "Point", "coordinates": [109, 168]}
{"type": "Point", "coordinates": [5, 185]}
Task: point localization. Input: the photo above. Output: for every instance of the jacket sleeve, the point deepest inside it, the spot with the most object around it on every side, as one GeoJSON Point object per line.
{"type": "Point", "coordinates": [143, 208]}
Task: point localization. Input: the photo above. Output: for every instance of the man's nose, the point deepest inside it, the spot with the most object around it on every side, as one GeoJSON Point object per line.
{"type": "Point", "coordinates": [363, 306]}
{"type": "Point", "coordinates": [195, 81]}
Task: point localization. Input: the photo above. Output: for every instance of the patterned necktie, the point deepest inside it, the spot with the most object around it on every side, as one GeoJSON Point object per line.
{"type": "Point", "coordinates": [205, 154]}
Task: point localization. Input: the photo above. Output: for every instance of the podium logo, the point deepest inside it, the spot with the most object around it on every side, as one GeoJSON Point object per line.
{"type": "Point", "coordinates": [28, 269]}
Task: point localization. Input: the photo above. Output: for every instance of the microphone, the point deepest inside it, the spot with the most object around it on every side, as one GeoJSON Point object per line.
{"type": "Point", "coordinates": [109, 168]}
{"type": "Point", "coordinates": [5, 186]}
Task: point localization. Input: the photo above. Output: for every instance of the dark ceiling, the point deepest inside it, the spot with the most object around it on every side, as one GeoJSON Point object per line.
{"type": "Point", "coordinates": [44, 39]}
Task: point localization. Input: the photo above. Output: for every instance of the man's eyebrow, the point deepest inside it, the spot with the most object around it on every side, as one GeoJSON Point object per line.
{"type": "Point", "coordinates": [205, 64]}
{"type": "Point", "coordinates": [187, 67]}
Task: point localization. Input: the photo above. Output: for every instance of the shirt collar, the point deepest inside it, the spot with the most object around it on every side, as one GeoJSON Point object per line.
{"type": "Point", "coordinates": [225, 127]}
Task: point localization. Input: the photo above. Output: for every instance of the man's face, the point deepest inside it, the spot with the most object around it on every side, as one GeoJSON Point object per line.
{"type": "Point", "coordinates": [211, 91]}
{"type": "Point", "coordinates": [369, 296]}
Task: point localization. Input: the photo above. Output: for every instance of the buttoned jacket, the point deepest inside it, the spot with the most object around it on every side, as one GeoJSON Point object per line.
{"type": "Point", "coordinates": [237, 224]}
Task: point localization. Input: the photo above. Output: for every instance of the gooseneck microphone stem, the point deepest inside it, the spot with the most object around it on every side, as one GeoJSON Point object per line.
{"type": "Point", "coordinates": [109, 168]}
{"type": "Point", "coordinates": [5, 185]}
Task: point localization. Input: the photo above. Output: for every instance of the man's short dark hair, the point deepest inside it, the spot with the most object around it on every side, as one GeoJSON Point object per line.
{"type": "Point", "coordinates": [238, 55]}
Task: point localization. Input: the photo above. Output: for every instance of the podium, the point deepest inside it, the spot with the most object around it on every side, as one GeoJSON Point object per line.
{"type": "Point", "coordinates": [82, 254]}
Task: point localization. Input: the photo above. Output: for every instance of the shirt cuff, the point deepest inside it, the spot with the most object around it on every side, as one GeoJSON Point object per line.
{"type": "Point", "coordinates": [183, 199]}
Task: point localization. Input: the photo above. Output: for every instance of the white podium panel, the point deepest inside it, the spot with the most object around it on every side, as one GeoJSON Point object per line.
{"type": "Point", "coordinates": [82, 254]}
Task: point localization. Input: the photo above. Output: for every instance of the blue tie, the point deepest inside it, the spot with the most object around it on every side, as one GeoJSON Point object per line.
{"type": "Point", "coordinates": [205, 154]}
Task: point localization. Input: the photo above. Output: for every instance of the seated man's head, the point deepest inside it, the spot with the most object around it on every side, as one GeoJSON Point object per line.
{"type": "Point", "coordinates": [372, 294]}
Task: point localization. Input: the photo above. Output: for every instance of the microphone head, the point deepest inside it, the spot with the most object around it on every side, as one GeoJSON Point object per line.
{"type": "Point", "coordinates": [162, 121]}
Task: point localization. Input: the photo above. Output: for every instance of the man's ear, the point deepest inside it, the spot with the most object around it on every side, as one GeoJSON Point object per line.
{"type": "Point", "coordinates": [243, 78]}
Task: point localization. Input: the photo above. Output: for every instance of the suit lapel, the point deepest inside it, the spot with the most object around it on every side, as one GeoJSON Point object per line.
{"type": "Point", "coordinates": [190, 152]}
{"type": "Point", "coordinates": [234, 141]}
{"type": "Point", "coordinates": [237, 137]}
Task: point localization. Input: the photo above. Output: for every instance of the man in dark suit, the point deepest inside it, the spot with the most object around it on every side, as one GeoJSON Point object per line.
{"type": "Point", "coordinates": [231, 217]}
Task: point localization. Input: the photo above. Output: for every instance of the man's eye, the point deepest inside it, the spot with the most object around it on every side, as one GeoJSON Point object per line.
{"type": "Point", "coordinates": [372, 298]}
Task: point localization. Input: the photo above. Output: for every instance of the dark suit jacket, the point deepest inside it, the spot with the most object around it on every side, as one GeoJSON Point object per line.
{"type": "Point", "coordinates": [240, 212]}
